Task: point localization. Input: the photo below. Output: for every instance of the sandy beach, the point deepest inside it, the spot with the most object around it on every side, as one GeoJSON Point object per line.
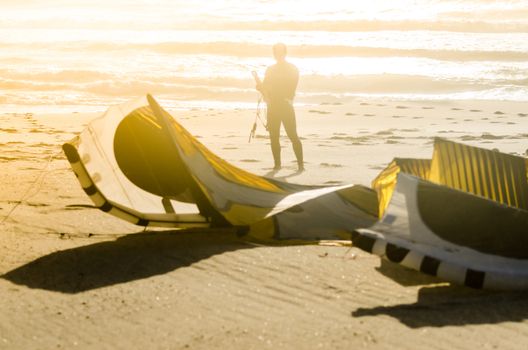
{"type": "Point", "coordinates": [75, 277]}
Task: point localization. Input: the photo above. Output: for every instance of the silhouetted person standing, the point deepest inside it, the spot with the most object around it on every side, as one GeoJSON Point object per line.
{"type": "Point", "coordinates": [278, 88]}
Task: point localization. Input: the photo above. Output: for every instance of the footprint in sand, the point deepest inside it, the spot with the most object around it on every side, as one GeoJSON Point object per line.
{"type": "Point", "coordinates": [380, 105]}
{"type": "Point", "coordinates": [330, 165]}
{"type": "Point", "coordinates": [456, 109]}
{"type": "Point", "coordinates": [50, 131]}
{"type": "Point", "coordinates": [402, 107]}
{"type": "Point", "coordinates": [469, 138]}
{"type": "Point", "coordinates": [332, 182]}
{"type": "Point", "coordinates": [30, 168]}
{"type": "Point", "coordinates": [79, 206]}
{"type": "Point", "coordinates": [368, 115]}
{"type": "Point", "coordinates": [250, 161]}
{"type": "Point", "coordinates": [398, 116]}
{"type": "Point", "coordinates": [522, 114]}
{"type": "Point", "coordinates": [488, 136]}
{"type": "Point", "coordinates": [37, 204]}
{"type": "Point", "coordinates": [498, 113]}
{"type": "Point", "coordinates": [475, 110]}
{"type": "Point", "coordinates": [427, 107]}
{"type": "Point", "coordinates": [364, 104]}
{"type": "Point", "coordinates": [319, 112]}
{"type": "Point", "coordinates": [417, 117]}
{"type": "Point", "coordinates": [350, 114]}
{"type": "Point", "coordinates": [331, 103]}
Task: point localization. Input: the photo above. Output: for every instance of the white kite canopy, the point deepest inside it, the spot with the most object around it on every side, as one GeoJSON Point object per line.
{"type": "Point", "coordinates": [461, 216]}
{"type": "Point", "coordinates": [465, 220]}
{"type": "Point", "coordinates": [138, 163]}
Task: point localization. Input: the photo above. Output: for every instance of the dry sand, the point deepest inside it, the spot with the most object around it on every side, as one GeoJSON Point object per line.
{"type": "Point", "coordinates": [75, 277]}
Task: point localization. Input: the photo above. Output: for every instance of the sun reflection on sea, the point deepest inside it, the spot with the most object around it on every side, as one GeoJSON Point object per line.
{"type": "Point", "coordinates": [100, 52]}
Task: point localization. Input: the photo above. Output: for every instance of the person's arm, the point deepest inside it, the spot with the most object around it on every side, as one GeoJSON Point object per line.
{"type": "Point", "coordinates": [258, 83]}
{"type": "Point", "coordinates": [267, 81]}
{"type": "Point", "coordinates": [293, 81]}
{"type": "Point", "coordinates": [296, 80]}
{"type": "Point", "coordinates": [262, 86]}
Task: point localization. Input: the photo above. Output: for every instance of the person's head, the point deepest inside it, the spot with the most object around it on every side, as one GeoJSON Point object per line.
{"type": "Point", "coordinates": [279, 51]}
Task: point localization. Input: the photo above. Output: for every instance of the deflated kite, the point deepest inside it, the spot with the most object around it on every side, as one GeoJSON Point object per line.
{"type": "Point", "coordinates": [461, 216]}
{"type": "Point", "coordinates": [138, 163]}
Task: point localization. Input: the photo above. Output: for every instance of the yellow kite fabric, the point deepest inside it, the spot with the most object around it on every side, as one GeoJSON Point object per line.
{"type": "Point", "coordinates": [385, 182]}
{"type": "Point", "coordinates": [497, 176]}
{"type": "Point", "coordinates": [138, 163]}
{"type": "Point", "coordinates": [461, 217]}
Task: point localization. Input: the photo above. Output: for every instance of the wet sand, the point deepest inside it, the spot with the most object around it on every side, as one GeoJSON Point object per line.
{"type": "Point", "coordinates": [75, 277]}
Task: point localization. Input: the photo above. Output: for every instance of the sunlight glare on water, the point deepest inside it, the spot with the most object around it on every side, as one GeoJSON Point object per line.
{"type": "Point", "coordinates": [96, 53]}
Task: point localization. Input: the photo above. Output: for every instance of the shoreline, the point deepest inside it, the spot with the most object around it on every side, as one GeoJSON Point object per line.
{"type": "Point", "coordinates": [193, 105]}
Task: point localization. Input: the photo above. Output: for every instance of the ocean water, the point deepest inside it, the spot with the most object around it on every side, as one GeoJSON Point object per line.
{"type": "Point", "coordinates": [82, 55]}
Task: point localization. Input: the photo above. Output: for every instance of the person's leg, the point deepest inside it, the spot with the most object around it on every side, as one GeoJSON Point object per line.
{"type": "Point", "coordinates": [290, 126]}
{"type": "Point", "coordinates": [274, 133]}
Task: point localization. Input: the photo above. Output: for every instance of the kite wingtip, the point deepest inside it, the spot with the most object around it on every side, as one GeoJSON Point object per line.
{"type": "Point", "coordinates": [71, 153]}
{"type": "Point", "coordinates": [150, 99]}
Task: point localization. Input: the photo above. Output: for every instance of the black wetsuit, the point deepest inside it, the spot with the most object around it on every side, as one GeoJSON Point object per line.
{"type": "Point", "coordinates": [280, 84]}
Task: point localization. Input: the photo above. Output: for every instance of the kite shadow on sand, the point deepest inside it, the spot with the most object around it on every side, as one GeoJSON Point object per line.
{"type": "Point", "coordinates": [441, 305]}
{"type": "Point", "coordinates": [125, 259]}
